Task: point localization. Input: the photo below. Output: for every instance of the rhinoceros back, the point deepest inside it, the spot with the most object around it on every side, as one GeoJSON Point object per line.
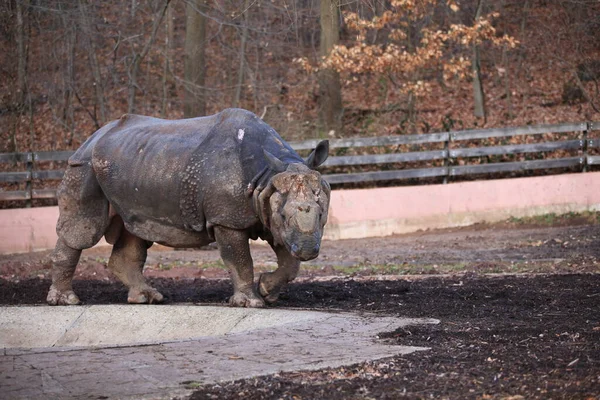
{"type": "Point", "coordinates": [138, 164]}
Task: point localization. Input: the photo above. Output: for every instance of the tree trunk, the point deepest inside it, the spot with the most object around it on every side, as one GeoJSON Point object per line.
{"type": "Point", "coordinates": [256, 77]}
{"type": "Point", "coordinates": [86, 26]}
{"type": "Point", "coordinates": [69, 79]}
{"type": "Point", "coordinates": [195, 63]}
{"type": "Point", "coordinates": [521, 56]}
{"type": "Point", "coordinates": [478, 95]}
{"type": "Point", "coordinates": [22, 37]}
{"type": "Point", "coordinates": [378, 10]}
{"type": "Point", "coordinates": [507, 91]}
{"type": "Point", "coordinates": [167, 73]}
{"type": "Point", "coordinates": [330, 96]}
{"type": "Point", "coordinates": [412, 113]}
{"type": "Point", "coordinates": [20, 91]}
{"type": "Point", "coordinates": [240, 82]}
{"type": "Point", "coordinates": [139, 57]}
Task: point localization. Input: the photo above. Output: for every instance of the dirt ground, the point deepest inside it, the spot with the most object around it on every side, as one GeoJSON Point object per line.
{"type": "Point", "coordinates": [519, 306]}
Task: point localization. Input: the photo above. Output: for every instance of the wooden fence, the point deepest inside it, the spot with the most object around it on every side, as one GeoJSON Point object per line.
{"type": "Point", "coordinates": [452, 144]}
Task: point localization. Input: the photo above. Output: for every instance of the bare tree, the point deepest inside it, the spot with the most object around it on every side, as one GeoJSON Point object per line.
{"type": "Point", "coordinates": [478, 95]}
{"type": "Point", "coordinates": [88, 39]}
{"type": "Point", "coordinates": [20, 91]}
{"type": "Point", "coordinates": [167, 73]}
{"type": "Point", "coordinates": [22, 9]}
{"type": "Point", "coordinates": [132, 9]}
{"type": "Point", "coordinates": [69, 78]}
{"type": "Point", "coordinates": [330, 96]}
{"type": "Point", "coordinates": [134, 67]}
{"type": "Point", "coordinates": [240, 80]}
{"type": "Point", "coordinates": [195, 59]}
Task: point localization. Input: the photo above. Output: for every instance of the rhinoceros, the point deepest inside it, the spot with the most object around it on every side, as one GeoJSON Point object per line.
{"type": "Point", "coordinates": [227, 177]}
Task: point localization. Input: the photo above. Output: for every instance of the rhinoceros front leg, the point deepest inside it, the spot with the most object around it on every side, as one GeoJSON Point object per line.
{"type": "Point", "coordinates": [127, 262]}
{"type": "Point", "coordinates": [235, 252]}
{"type": "Point", "coordinates": [271, 283]}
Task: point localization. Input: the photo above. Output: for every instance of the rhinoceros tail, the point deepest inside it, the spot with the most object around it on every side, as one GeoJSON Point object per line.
{"type": "Point", "coordinates": [84, 153]}
{"type": "Point", "coordinates": [83, 208]}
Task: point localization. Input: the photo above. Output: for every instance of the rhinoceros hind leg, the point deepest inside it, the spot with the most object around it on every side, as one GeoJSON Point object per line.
{"type": "Point", "coordinates": [271, 283]}
{"type": "Point", "coordinates": [144, 295]}
{"type": "Point", "coordinates": [127, 262]}
{"type": "Point", "coordinates": [235, 252]}
{"type": "Point", "coordinates": [64, 261]}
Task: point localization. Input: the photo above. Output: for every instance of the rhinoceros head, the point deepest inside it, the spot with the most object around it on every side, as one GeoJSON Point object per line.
{"type": "Point", "coordinates": [296, 202]}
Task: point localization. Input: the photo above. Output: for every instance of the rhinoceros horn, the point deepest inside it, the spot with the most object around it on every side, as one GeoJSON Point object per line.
{"type": "Point", "coordinates": [275, 163]}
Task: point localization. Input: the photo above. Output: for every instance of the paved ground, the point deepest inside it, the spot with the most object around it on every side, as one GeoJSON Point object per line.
{"type": "Point", "coordinates": [116, 351]}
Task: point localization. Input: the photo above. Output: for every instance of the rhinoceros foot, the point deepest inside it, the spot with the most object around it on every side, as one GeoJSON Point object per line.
{"type": "Point", "coordinates": [269, 287]}
{"type": "Point", "coordinates": [144, 295]}
{"type": "Point", "coordinates": [62, 298]}
{"type": "Point", "coordinates": [243, 300]}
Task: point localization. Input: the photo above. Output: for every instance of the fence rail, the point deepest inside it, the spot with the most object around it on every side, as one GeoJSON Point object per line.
{"type": "Point", "coordinates": [448, 155]}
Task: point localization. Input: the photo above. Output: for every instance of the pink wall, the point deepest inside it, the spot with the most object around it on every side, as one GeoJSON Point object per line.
{"type": "Point", "coordinates": [27, 229]}
{"type": "Point", "coordinates": [384, 211]}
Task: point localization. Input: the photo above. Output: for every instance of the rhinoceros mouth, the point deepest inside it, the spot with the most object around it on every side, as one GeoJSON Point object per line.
{"type": "Point", "coordinates": [305, 251]}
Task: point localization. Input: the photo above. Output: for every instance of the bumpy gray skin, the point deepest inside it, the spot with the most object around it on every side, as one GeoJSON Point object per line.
{"type": "Point", "coordinates": [227, 178]}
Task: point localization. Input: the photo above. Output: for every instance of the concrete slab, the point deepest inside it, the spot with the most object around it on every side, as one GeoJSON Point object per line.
{"type": "Point", "coordinates": [105, 325]}
{"type": "Point", "coordinates": [158, 352]}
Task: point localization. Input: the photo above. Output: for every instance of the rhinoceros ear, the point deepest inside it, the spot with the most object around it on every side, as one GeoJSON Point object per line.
{"type": "Point", "coordinates": [318, 155]}
{"type": "Point", "coordinates": [275, 163]}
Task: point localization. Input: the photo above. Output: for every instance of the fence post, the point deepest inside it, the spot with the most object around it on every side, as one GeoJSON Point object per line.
{"type": "Point", "coordinates": [585, 146]}
{"type": "Point", "coordinates": [29, 183]}
{"type": "Point", "coordinates": [447, 158]}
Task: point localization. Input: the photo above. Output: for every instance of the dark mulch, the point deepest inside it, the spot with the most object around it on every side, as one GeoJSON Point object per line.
{"type": "Point", "coordinates": [533, 336]}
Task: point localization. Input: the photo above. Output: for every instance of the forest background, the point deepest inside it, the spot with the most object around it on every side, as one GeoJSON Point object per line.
{"type": "Point", "coordinates": [394, 67]}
